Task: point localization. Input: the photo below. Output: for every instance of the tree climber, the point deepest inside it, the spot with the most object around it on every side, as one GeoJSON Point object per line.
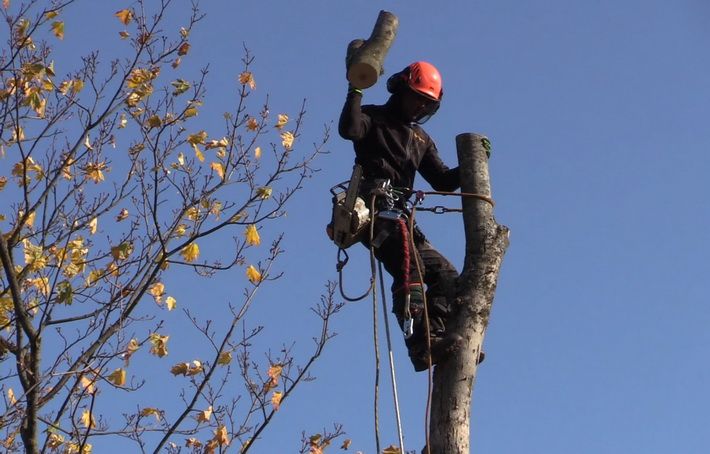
{"type": "Point", "coordinates": [390, 145]}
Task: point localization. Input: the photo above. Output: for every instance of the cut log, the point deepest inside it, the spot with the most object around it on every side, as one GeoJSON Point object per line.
{"type": "Point", "coordinates": [365, 59]}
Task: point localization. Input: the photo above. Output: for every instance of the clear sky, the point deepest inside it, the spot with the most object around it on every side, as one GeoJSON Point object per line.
{"type": "Point", "coordinates": [598, 114]}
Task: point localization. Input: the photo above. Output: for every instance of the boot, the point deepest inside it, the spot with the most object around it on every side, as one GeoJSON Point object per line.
{"type": "Point", "coordinates": [442, 346]}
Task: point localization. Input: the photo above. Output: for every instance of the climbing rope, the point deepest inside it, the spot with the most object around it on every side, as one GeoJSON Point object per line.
{"type": "Point", "coordinates": [373, 288]}
{"type": "Point", "coordinates": [483, 197]}
{"type": "Point", "coordinates": [391, 360]}
{"type": "Point", "coordinates": [427, 410]}
{"type": "Point", "coordinates": [339, 266]}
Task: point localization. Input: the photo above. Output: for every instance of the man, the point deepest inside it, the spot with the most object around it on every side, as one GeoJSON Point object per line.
{"type": "Point", "coordinates": [391, 145]}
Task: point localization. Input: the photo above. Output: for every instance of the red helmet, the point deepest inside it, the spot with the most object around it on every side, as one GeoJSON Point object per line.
{"type": "Point", "coordinates": [421, 77]}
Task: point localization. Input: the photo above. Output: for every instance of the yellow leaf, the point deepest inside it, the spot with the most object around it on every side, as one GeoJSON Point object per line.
{"type": "Point", "coordinates": [218, 167]}
{"type": "Point", "coordinates": [216, 209]}
{"type": "Point", "coordinates": [190, 112]}
{"type": "Point", "coordinates": [11, 396]}
{"type": "Point", "coordinates": [198, 138]}
{"type": "Point", "coordinates": [247, 78]}
{"type": "Point", "coordinates": [148, 411]}
{"type": "Point", "coordinates": [58, 29]}
{"type": "Point", "coordinates": [54, 441]}
{"type": "Point", "coordinates": [125, 16]}
{"type": "Point", "coordinates": [346, 444]}
{"type": "Point", "coordinates": [77, 85]}
{"type": "Point", "coordinates": [3, 182]}
{"type": "Point", "coordinates": [122, 251]}
{"type": "Point", "coordinates": [180, 230]}
{"type": "Point", "coordinates": [94, 277]}
{"type": "Point", "coordinates": [170, 303]}
{"type": "Point", "coordinates": [122, 215]}
{"type": "Point", "coordinates": [87, 384]}
{"type": "Point", "coordinates": [122, 122]}
{"type": "Point", "coordinates": [224, 358]}
{"type": "Point", "coordinates": [392, 449]}
{"type": "Point", "coordinates": [159, 344]}
{"type": "Point", "coordinates": [264, 193]}
{"type": "Point", "coordinates": [195, 368]}
{"type": "Point", "coordinates": [252, 124]}
{"type": "Point", "coordinates": [41, 284]}
{"type": "Point", "coordinates": [34, 256]}
{"type": "Point", "coordinates": [193, 442]}
{"type": "Point", "coordinates": [87, 419]}
{"type": "Point", "coordinates": [192, 213]}
{"type": "Point", "coordinates": [87, 143]}
{"type": "Point", "coordinates": [6, 4]}
{"type": "Point", "coordinates": [29, 222]}
{"type": "Point", "coordinates": [252, 235]}
{"type": "Point", "coordinates": [181, 86]}
{"type": "Point", "coordinates": [22, 171]}
{"type": "Point", "coordinates": [131, 348]}
{"type": "Point", "coordinates": [221, 436]}
{"type": "Point", "coordinates": [93, 225]}
{"type": "Point", "coordinates": [49, 15]}
{"type": "Point", "coordinates": [124, 34]}
{"type": "Point", "coordinates": [282, 119]}
{"type": "Point", "coordinates": [190, 252]}
{"type": "Point", "coordinates": [257, 152]}
{"type": "Point", "coordinates": [253, 274]}
{"type": "Point", "coordinates": [65, 86]}
{"type": "Point", "coordinates": [118, 377]}
{"type": "Point", "coordinates": [73, 448]}
{"type": "Point", "coordinates": [205, 415]}
{"type": "Point", "coordinates": [274, 373]}
{"type": "Point", "coordinates": [180, 369]}
{"type": "Point", "coordinates": [276, 400]}
{"type": "Point", "coordinates": [94, 170]}
{"type": "Point", "coordinates": [198, 153]}
{"type": "Point", "coordinates": [157, 290]}
{"type": "Point", "coordinates": [153, 121]}
{"type": "Point", "coordinates": [287, 140]}
{"type": "Point", "coordinates": [183, 49]}
{"type": "Point", "coordinates": [214, 143]}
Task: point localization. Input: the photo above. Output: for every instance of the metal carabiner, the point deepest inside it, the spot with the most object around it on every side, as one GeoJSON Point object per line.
{"type": "Point", "coordinates": [408, 328]}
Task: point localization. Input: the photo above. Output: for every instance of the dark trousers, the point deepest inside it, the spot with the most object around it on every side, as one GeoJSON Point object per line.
{"type": "Point", "coordinates": [438, 273]}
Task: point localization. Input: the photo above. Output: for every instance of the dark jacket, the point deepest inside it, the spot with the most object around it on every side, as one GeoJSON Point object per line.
{"type": "Point", "coordinates": [386, 146]}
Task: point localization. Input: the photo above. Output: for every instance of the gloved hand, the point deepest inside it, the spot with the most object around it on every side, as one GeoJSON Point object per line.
{"type": "Point", "coordinates": [352, 89]}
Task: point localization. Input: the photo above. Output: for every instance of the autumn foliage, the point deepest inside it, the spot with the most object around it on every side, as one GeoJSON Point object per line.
{"type": "Point", "coordinates": [110, 187]}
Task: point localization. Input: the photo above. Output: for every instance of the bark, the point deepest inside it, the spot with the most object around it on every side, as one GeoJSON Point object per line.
{"type": "Point", "coordinates": [27, 358]}
{"type": "Point", "coordinates": [365, 59]}
{"type": "Point", "coordinates": [486, 242]}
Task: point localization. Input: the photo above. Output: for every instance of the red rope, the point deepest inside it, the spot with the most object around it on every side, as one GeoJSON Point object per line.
{"type": "Point", "coordinates": [405, 253]}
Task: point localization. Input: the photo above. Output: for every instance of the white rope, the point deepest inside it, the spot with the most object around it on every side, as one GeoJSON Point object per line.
{"type": "Point", "coordinates": [391, 359]}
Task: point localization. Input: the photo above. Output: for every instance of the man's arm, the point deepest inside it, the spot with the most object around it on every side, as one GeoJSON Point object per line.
{"type": "Point", "coordinates": [353, 124]}
{"type": "Point", "coordinates": [436, 173]}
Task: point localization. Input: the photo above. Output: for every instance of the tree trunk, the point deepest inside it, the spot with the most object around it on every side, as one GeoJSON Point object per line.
{"type": "Point", "coordinates": [365, 58]}
{"type": "Point", "coordinates": [486, 242]}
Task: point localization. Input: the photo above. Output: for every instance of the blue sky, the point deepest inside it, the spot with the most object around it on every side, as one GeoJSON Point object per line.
{"type": "Point", "coordinates": [598, 114]}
